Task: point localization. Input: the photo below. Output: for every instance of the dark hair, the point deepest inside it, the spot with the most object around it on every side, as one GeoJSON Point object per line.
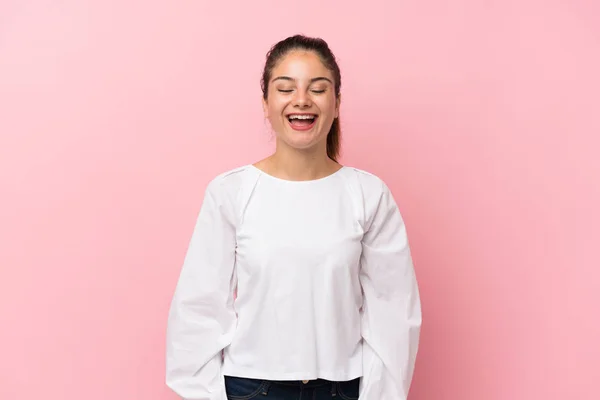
{"type": "Point", "coordinates": [320, 47]}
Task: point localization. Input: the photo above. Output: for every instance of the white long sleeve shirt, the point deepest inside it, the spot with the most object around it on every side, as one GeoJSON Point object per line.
{"type": "Point", "coordinates": [324, 279]}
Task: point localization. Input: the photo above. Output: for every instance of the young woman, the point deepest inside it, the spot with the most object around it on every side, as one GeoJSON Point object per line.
{"type": "Point", "coordinates": [327, 299]}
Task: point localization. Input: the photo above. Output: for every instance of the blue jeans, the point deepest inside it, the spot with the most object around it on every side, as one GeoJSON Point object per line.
{"type": "Point", "coordinates": [319, 389]}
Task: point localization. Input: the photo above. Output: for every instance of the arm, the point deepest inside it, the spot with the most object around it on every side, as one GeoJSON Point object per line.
{"type": "Point", "coordinates": [391, 313]}
{"type": "Point", "coordinates": [201, 319]}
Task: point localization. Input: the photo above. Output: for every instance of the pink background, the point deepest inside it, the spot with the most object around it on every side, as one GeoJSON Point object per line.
{"type": "Point", "coordinates": [482, 116]}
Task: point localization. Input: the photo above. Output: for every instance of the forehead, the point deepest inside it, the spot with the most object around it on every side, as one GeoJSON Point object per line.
{"type": "Point", "coordinates": [301, 64]}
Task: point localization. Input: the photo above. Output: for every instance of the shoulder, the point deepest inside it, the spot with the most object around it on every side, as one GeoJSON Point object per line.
{"type": "Point", "coordinates": [224, 191]}
{"type": "Point", "coordinates": [371, 185]}
{"type": "Point", "coordinates": [376, 196]}
{"type": "Point", "coordinates": [230, 181]}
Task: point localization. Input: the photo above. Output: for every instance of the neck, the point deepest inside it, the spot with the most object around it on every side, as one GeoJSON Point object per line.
{"type": "Point", "coordinates": [300, 165]}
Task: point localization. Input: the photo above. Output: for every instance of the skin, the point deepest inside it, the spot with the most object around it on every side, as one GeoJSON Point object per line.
{"type": "Point", "coordinates": [300, 83]}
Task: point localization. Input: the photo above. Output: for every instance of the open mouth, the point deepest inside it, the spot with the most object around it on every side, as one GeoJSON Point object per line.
{"type": "Point", "coordinates": [302, 122]}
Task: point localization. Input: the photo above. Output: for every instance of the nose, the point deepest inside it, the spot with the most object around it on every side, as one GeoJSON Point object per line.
{"type": "Point", "coordinates": [301, 99]}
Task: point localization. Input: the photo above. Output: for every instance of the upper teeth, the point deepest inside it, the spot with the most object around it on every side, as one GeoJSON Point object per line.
{"type": "Point", "coordinates": [302, 116]}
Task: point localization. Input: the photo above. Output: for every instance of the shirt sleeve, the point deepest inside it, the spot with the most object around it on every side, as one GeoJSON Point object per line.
{"type": "Point", "coordinates": [391, 312]}
{"type": "Point", "coordinates": [202, 319]}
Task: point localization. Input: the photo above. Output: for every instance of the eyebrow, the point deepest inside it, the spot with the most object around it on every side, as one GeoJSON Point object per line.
{"type": "Point", "coordinates": [287, 78]}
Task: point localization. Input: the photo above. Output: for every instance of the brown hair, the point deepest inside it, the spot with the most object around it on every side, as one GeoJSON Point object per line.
{"type": "Point", "coordinates": [320, 47]}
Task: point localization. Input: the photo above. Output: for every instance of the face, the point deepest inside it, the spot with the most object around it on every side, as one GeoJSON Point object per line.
{"type": "Point", "coordinates": [301, 103]}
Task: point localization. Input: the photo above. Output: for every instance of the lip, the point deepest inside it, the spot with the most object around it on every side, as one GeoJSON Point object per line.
{"type": "Point", "coordinates": [302, 128]}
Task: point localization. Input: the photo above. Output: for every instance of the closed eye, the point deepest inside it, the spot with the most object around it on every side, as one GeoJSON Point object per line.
{"type": "Point", "coordinates": [316, 91]}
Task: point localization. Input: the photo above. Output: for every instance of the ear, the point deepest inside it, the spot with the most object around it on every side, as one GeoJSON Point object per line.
{"type": "Point", "coordinates": [265, 108]}
{"type": "Point", "coordinates": [337, 105]}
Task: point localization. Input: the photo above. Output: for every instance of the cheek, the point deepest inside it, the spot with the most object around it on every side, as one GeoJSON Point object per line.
{"type": "Point", "coordinates": [275, 107]}
{"type": "Point", "coordinates": [274, 111]}
{"type": "Point", "coordinates": [327, 102]}
{"type": "Point", "coordinates": [328, 106]}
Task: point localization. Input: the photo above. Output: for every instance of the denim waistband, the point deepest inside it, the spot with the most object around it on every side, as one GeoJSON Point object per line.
{"type": "Point", "coordinates": [310, 384]}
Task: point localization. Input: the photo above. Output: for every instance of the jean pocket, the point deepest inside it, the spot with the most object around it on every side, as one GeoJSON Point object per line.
{"type": "Point", "coordinates": [349, 390]}
{"type": "Point", "coordinates": [243, 388]}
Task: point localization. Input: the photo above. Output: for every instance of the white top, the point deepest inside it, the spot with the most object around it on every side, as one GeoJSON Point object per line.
{"type": "Point", "coordinates": [325, 287]}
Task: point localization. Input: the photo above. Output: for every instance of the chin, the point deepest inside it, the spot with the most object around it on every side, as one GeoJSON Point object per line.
{"type": "Point", "coordinates": [302, 140]}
